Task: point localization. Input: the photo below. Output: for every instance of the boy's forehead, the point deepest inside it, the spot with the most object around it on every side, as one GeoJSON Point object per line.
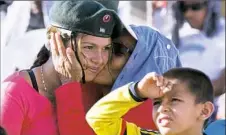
{"type": "Point", "coordinates": [179, 87]}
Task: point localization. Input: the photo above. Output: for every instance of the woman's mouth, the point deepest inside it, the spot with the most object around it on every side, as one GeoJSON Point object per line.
{"type": "Point", "coordinates": [94, 69]}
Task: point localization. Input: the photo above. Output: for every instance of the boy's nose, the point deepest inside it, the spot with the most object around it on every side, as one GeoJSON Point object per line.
{"type": "Point", "coordinates": [164, 108]}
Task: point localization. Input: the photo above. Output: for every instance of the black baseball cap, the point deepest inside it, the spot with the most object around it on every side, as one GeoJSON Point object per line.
{"type": "Point", "coordinates": [89, 17]}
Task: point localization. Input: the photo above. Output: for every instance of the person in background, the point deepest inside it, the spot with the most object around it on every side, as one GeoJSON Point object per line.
{"type": "Point", "coordinates": [4, 4]}
{"type": "Point", "coordinates": [159, 15]}
{"type": "Point", "coordinates": [181, 104]}
{"type": "Point", "coordinates": [22, 16]}
{"type": "Point", "coordinates": [204, 47]}
{"type": "Point", "coordinates": [36, 16]}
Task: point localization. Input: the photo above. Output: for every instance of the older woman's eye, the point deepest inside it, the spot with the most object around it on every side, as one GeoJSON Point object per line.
{"type": "Point", "coordinates": [119, 48]}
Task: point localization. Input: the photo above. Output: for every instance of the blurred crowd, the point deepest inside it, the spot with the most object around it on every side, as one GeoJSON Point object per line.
{"type": "Point", "coordinates": [197, 30]}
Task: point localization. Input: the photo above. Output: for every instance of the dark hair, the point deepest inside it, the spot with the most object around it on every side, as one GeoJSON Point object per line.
{"type": "Point", "coordinates": [44, 53]}
{"type": "Point", "coordinates": [42, 57]}
{"type": "Point", "coordinates": [198, 83]}
{"type": "Point", "coordinates": [2, 131]}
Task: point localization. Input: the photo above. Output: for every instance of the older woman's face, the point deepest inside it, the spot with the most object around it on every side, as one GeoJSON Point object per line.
{"type": "Point", "coordinates": [194, 12]}
{"type": "Point", "coordinates": [95, 52]}
{"type": "Point", "coordinates": [119, 58]}
{"type": "Point", "coordinates": [108, 75]}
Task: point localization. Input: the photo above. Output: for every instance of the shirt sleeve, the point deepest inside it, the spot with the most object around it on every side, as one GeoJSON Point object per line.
{"type": "Point", "coordinates": [11, 113]}
{"type": "Point", "coordinates": [70, 110]}
{"type": "Point", "coordinates": [105, 117]}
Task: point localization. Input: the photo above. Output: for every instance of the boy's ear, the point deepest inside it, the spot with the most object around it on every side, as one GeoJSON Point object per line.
{"type": "Point", "coordinates": [207, 110]}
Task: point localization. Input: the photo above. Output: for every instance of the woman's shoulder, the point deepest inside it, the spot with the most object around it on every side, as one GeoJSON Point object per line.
{"type": "Point", "coordinates": [15, 84]}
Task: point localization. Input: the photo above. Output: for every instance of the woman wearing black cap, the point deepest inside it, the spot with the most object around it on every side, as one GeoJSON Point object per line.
{"type": "Point", "coordinates": [28, 96]}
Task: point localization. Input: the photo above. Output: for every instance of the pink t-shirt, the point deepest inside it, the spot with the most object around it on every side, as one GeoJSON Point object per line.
{"type": "Point", "coordinates": [24, 111]}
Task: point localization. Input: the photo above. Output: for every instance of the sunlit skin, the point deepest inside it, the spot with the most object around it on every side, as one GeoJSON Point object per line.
{"type": "Point", "coordinates": [110, 72]}
{"type": "Point", "coordinates": [95, 52]}
{"type": "Point", "coordinates": [176, 113]}
{"type": "Point", "coordinates": [195, 18]}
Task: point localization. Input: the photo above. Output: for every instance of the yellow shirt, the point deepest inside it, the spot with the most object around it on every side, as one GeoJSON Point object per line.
{"type": "Point", "coordinates": [105, 117]}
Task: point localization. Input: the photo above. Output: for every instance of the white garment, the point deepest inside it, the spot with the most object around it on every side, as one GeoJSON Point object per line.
{"type": "Point", "coordinates": [220, 101]}
{"type": "Point", "coordinates": [21, 52]}
{"type": "Point", "coordinates": [15, 22]}
{"type": "Point", "coordinates": [203, 53]}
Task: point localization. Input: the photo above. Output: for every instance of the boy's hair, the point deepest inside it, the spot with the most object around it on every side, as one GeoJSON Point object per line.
{"type": "Point", "coordinates": [198, 83]}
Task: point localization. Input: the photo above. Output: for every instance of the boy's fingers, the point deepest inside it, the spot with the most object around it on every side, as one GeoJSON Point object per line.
{"type": "Point", "coordinates": [53, 46]}
{"type": "Point", "coordinates": [164, 83]}
{"type": "Point", "coordinates": [151, 75]}
{"type": "Point", "coordinates": [168, 87]}
{"type": "Point", "coordinates": [60, 45]}
{"type": "Point", "coordinates": [159, 81]}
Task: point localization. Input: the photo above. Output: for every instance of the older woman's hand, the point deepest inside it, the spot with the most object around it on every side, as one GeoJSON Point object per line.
{"type": "Point", "coordinates": [64, 60]}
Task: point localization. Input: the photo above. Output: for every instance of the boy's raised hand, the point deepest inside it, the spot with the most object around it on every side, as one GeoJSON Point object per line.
{"type": "Point", "coordinates": [153, 86]}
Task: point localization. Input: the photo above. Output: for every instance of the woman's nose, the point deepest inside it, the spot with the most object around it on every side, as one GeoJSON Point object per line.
{"type": "Point", "coordinates": [98, 58]}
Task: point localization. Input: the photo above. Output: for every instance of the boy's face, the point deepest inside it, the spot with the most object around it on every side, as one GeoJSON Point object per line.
{"type": "Point", "coordinates": [176, 112]}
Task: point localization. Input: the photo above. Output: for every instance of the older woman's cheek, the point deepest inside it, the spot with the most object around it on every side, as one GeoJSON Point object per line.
{"type": "Point", "coordinates": [118, 62]}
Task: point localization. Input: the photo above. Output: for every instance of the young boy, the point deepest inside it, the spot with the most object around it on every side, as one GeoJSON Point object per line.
{"type": "Point", "coordinates": [182, 102]}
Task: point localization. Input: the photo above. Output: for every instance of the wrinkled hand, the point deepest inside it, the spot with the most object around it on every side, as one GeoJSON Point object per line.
{"type": "Point", "coordinates": [153, 86]}
{"type": "Point", "coordinates": [64, 60]}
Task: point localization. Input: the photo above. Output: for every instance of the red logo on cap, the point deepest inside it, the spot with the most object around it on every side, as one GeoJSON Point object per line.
{"type": "Point", "coordinates": [106, 18]}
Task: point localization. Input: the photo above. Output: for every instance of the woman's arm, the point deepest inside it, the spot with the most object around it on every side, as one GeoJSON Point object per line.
{"type": "Point", "coordinates": [11, 113]}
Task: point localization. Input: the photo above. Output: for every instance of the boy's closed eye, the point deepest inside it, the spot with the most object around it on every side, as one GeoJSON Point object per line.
{"type": "Point", "coordinates": [176, 100]}
{"type": "Point", "coordinates": [157, 102]}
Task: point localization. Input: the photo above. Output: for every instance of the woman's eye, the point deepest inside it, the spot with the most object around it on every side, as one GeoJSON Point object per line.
{"type": "Point", "coordinates": [107, 48]}
{"type": "Point", "coordinates": [88, 47]}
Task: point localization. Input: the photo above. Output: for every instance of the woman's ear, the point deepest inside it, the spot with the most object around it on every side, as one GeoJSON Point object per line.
{"type": "Point", "coordinates": [207, 110]}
